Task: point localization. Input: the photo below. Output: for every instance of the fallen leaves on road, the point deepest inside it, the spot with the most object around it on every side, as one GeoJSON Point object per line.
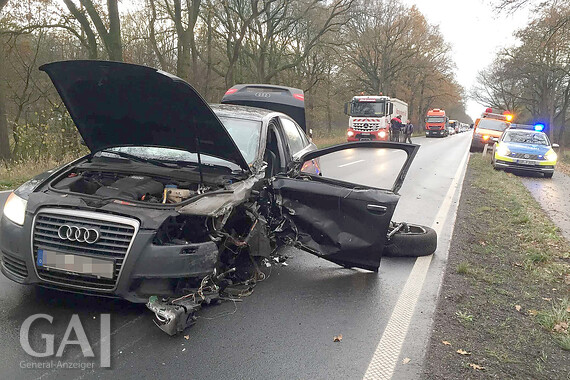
{"type": "Point", "coordinates": [406, 361]}
{"type": "Point", "coordinates": [483, 243]}
{"type": "Point", "coordinates": [568, 309]}
{"type": "Point", "coordinates": [463, 352]}
{"type": "Point", "coordinates": [547, 299]}
{"type": "Point", "coordinates": [476, 366]}
{"type": "Point", "coordinates": [567, 279]}
{"type": "Point", "coordinates": [337, 338]}
{"type": "Point", "coordinates": [186, 337]}
{"type": "Point", "coordinates": [446, 342]}
{"type": "Point", "coordinates": [518, 307]}
{"type": "Point", "coordinates": [532, 312]}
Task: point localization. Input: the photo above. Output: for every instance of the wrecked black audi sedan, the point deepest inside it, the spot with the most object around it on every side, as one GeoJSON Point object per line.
{"type": "Point", "coordinates": [179, 200]}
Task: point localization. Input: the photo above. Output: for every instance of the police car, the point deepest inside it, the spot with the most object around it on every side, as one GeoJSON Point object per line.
{"type": "Point", "coordinates": [525, 148]}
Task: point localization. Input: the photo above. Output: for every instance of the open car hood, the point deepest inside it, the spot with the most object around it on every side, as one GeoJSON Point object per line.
{"type": "Point", "coordinates": [118, 104]}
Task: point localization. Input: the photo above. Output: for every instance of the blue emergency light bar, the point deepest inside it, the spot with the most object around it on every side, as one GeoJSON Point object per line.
{"type": "Point", "coordinates": [538, 127]}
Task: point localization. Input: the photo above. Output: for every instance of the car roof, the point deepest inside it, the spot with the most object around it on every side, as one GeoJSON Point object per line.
{"type": "Point", "coordinates": [246, 112]}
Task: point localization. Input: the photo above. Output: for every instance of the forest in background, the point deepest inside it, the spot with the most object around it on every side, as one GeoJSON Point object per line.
{"type": "Point", "coordinates": [532, 78]}
{"type": "Point", "coordinates": [332, 50]}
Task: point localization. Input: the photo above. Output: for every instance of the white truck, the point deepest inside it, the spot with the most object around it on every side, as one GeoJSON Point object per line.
{"type": "Point", "coordinates": [369, 117]}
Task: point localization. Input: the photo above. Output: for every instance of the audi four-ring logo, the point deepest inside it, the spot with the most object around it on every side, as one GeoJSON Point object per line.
{"type": "Point", "coordinates": [79, 234]}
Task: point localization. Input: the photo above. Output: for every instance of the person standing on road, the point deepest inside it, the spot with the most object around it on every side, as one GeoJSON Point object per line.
{"type": "Point", "coordinates": [395, 126]}
{"type": "Point", "coordinates": [408, 130]}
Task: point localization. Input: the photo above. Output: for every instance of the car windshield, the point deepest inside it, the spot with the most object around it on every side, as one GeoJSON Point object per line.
{"type": "Point", "coordinates": [245, 134]}
{"type": "Point", "coordinates": [367, 109]}
{"type": "Point", "coordinates": [493, 124]}
{"type": "Point", "coordinates": [435, 119]}
{"type": "Point", "coordinates": [537, 138]}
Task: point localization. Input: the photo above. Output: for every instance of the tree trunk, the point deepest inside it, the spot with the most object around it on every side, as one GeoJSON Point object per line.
{"type": "Point", "coordinates": [4, 144]}
{"type": "Point", "coordinates": [114, 46]}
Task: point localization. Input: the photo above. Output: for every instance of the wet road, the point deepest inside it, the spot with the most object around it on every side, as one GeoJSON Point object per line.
{"type": "Point", "coordinates": [553, 195]}
{"type": "Point", "coordinates": [284, 329]}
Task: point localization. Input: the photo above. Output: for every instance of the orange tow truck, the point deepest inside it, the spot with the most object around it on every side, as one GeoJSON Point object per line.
{"type": "Point", "coordinates": [489, 126]}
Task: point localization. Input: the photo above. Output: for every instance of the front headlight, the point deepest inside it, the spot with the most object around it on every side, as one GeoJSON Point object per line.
{"type": "Point", "coordinates": [15, 209]}
{"type": "Point", "coordinates": [382, 134]}
{"type": "Point", "coordinates": [551, 155]}
{"type": "Point", "coordinates": [503, 150]}
{"type": "Point", "coordinates": [350, 133]}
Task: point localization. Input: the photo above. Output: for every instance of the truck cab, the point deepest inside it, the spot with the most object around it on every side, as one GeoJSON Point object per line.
{"type": "Point", "coordinates": [369, 117]}
{"type": "Point", "coordinates": [436, 123]}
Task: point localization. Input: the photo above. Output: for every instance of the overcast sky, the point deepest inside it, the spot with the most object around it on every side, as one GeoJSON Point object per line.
{"type": "Point", "coordinates": [475, 31]}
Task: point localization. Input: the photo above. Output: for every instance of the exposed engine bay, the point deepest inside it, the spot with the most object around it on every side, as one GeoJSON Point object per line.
{"type": "Point", "coordinates": [137, 187]}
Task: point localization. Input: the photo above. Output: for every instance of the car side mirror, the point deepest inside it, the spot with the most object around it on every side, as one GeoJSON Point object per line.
{"type": "Point", "coordinates": [346, 108]}
{"type": "Point", "coordinates": [391, 108]}
{"type": "Point", "coordinates": [310, 132]}
{"type": "Point", "coordinates": [82, 142]}
{"type": "Point", "coordinates": [555, 146]}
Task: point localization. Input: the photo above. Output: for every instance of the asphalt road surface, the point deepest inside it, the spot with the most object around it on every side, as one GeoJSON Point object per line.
{"type": "Point", "coordinates": [285, 329]}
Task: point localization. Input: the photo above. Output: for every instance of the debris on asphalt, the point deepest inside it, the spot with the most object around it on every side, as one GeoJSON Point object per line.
{"type": "Point", "coordinates": [476, 366]}
{"type": "Point", "coordinates": [406, 361]}
{"type": "Point", "coordinates": [463, 352]}
{"type": "Point", "coordinates": [337, 338]}
{"type": "Point", "coordinates": [446, 342]}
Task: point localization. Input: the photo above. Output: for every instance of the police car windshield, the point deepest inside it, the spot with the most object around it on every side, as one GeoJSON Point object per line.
{"type": "Point", "coordinates": [367, 109]}
{"type": "Point", "coordinates": [537, 138]}
{"type": "Point", "coordinates": [493, 124]}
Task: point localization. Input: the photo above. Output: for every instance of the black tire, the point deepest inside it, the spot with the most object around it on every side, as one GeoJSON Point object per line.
{"type": "Point", "coordinates": [413, 241]}
{"type": "Point", "coordinates": [548, 175]}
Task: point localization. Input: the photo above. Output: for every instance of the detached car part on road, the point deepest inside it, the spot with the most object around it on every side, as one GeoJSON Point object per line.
{"type": "Point", "coordinates": [180, 203]}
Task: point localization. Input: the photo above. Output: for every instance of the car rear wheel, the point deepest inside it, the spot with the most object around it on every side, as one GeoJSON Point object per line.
{"type": "Point", "coordinates": [410, 240]}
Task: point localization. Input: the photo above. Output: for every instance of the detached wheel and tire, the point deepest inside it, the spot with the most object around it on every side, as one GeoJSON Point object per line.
{"type": "Point", "coordinates": [411, 240]}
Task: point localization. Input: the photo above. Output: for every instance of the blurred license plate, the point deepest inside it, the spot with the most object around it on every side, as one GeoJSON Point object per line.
{"type": "Point", "coordinates": [526, 162]}
{"type": "Point", "coordinates": [365, 134]}
{"type": "Point", "coordinates": [75, 263]}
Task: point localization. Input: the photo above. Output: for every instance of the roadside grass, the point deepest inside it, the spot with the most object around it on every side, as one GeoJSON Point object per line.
{"type": "Point", "coordinates": [506, 295]}
{"type": "Point", "coordinates": [324, 138]}
{"type": "Point", "coordinates": [13, 174]}
{"type": "Point", "coordinates": [564, 162]}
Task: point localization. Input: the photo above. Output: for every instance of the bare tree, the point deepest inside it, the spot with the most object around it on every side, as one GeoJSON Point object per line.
{"type": "Point", "coordinates": [111, 37]}
{"type": "Point", "coordinates": [4, 143]}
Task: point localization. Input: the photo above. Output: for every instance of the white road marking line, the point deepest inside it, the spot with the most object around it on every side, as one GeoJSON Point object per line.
{"type": "Point", "coordinates": [5, 191]}
{"type": "Point", "coordinates": [388, 350]}
{"type": "Point", "coordinates": [350, 163]}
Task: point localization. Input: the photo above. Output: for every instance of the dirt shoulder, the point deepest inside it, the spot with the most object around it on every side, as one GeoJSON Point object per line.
{"type": "Point", "coordinates": [504, 307]}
